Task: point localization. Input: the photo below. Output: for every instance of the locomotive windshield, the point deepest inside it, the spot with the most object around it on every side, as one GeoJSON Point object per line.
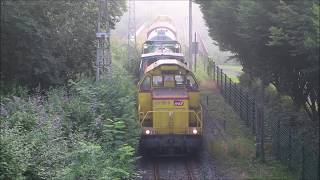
{"type": "Point", "coordinates": [169, 80]}
{"type": "Point", "coordinates": [157, 81]}
{"type": "Point", "coordinates": [180, 80]}
{"type": "Point", "coordinates": [146, 84]}
{"type": "Point", "coordinates": [161, 47]}
{"type": "Point", "coordinates": [191, 83]}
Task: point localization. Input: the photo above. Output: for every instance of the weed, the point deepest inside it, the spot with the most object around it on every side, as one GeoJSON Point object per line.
{"type": "Point", "coordinates": [236, 148]}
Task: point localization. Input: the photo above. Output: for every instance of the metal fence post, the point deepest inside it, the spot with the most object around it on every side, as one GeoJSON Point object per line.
{"type": "Point", "coordinates": [208, 67]}
{"type": "Point", "coordinates": [253, 116]}
{"type": "Point", "coordinates": [218, 76]}
{"type": "Point", "coordinates": [221, 79]}
{"type": "Point", "coordinates": [236, 90]}
{"type": "Point", "coordinates": [247, 109]}
{"type": "Point", "coordinates": [235, 97]}
{"type": "Point", "coordinates": [303, 162]}
{"type": "Point", "coordinates": [214, 70]}
{"type": "Point", "coordinates": [230, 90]}
{"type": "Point", "coordinates": [240, 102]}
{"type": "Point", "coordinates": [262, 135]}
{"type": "Point", "coordinates": [218, 70]}
{"type": "Point", "coordinates": [234, 94]}
{"type": "Point", "coordinates": [290, 148]}
{"type": "Point", "coordinates": [239, 99]}
{"type": "Point", "coordinates": [205, 62]}
{"type": "Point", "coordinates": [225, 85]}
{"type": "Point", "coordinates": [278, 154]}
{"type": "Point", "coordinates": [257, 133]}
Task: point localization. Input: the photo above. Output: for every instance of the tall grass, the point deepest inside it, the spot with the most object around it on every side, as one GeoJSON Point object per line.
{"type": "Point", "coordinates": [233, 146]}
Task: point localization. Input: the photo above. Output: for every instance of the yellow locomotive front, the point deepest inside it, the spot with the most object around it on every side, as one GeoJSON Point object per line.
{"type": "Point", "coordinates": [170, 112]}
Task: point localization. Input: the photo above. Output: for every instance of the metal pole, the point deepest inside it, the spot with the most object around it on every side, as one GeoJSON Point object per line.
{"type": "Point", "coordinates": [103, 59]}
{"type": "Point", "coordinates": [131, 31]}
{"type": "Point", "coordinates": [108, 55]}
{"type": "Point", "coordinates": [190, 34]}
{"type": "Point", "coordinates": [99, 53]}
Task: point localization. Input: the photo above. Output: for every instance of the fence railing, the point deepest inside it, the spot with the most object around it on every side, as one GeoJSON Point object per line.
{"type": "Point", "coordinates": [277, 137]}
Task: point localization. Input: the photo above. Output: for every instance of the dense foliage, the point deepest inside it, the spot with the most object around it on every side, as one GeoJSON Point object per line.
{"type": "Point", "coordinates": [276, 41]}
{"type": "Point", "coordinates": [294, 141]}
{"type": "Point", "coordinates": [48, 42]}
{"type": "Point", "coordinates": [86, 132]}
{"type": "Point", "coordinates": [120, 59]}
{"type": "Point", "coordinates": [70, 127]}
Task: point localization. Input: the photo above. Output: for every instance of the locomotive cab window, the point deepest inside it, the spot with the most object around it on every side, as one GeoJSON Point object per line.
{"type": "Point", "coordinates": [157, 81]}
{"type": "Point", "coordinates": [179, 80]}
{"type": "Point", "coordinates": [168, 78]}
{"type": "Point", "coordinates": [146, 84]}
{"type": "Point", "coordinates": [169, 81]}
{"type": "Point", "coordinates": [191, 83]}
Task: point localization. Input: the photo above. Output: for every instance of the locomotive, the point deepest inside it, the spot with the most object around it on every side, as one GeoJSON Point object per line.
{"type": "Point", "coordinates": [161, 43]}
{"type": "Point", "coordinates": [170, 112]}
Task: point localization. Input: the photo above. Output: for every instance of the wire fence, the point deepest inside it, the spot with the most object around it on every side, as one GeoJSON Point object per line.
{"type": "Point", "coordinates": [280, 134]}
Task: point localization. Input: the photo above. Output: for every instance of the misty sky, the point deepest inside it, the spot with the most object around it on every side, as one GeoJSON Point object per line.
{"type": "Point", "coordinates": [178, 10]}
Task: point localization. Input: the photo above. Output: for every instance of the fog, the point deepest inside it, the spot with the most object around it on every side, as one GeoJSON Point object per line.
{"type": "Point", "coordinates": [178, 11]}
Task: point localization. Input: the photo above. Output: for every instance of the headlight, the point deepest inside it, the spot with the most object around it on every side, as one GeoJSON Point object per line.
{"type": "Point", "coordinates": [148, 131]}
{"type": "Point", "coordinates": [194, 131]}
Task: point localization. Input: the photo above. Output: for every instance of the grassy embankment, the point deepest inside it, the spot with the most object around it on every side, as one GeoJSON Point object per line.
{"type": "Point", "coordinates": [233, 71]}
{"type": "Point", "coordinates": [234, 147]}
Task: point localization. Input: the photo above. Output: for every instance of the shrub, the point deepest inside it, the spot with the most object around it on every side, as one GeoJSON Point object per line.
{"type": "Point", "coordinates": [87, 130]}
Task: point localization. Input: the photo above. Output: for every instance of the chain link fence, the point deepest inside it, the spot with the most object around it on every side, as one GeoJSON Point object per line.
{"type": "Point", "coordinates": [280, 133]}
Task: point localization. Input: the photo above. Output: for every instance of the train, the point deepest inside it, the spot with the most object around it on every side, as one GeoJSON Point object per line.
{"type": "Point", "coordinates": [169, 108]}
{"type": "Point", "coordinates": [161, 43]}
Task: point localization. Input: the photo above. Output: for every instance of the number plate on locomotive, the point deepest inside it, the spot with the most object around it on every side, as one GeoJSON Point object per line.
{"type": "Point", "coordinates": [178, 103]}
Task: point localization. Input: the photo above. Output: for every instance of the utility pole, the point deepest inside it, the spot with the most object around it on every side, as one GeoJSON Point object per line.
{"type": "Point", "coordinates": [131, 31]}
{"type": "Point", "coordinates": [103, 59]}
{"type": "Point", "coordinates": [190, 34]}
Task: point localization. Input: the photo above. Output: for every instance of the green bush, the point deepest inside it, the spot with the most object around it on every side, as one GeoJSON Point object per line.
{"type": "Point", "coordinates": [87, 130]}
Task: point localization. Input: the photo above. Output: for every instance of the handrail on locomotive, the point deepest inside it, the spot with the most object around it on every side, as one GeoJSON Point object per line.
{"type": "Point", "coordinates": [198, 116]}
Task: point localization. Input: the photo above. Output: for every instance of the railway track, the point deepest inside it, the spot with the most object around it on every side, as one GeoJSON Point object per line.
{"type": "Point", "coordinates": [155, 168]}
{"type": "Point", "coordinates": [190, 175]}
{"type": "Point", "coordinates": [183, 170]}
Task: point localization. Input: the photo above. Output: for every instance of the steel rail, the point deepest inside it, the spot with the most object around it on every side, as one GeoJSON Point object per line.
{"type": "Point", "coordinates": [156, 174]}
{"type": "Point", "coordinates": [188, 166]}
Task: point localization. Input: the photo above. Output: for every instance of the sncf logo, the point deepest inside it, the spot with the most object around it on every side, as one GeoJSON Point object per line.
{"type": "Point", "coordinates": [178, 103]}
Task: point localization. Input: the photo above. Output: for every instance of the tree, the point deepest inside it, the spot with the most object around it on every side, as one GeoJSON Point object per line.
{"type": "Point", "coordinates": [276, 41]}
{"type": "Point", "coordinates": [48, 42]}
